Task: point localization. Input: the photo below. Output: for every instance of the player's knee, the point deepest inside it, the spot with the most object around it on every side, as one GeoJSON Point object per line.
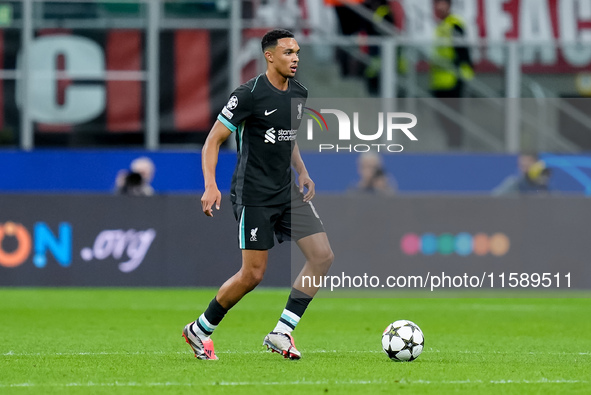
{"type": "Point", "coordinates": [252, 278]}
{"type": "Point", "coordinates": [328, 256]}
{"type": "Point", "coordinates": [323, 257]}
{"type": "Point", "coordinates": [257, 277]}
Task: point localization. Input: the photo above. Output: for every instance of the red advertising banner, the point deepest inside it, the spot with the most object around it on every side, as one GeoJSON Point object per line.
{"type": "Point", "coordinates": [89, 81]}
{"type": "Point", "coordinates": [557, 33]}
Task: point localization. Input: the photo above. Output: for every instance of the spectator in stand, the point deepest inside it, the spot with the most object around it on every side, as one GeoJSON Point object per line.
{"type": "Point", "coordinates": [136, 181]}
{"type": "Point", "coordinates": [450, 66]}
{"type": "Point", "coordinates": [373, 178]}
{"type": "Point", "coordinates": [533, 178]}
{"type": "Point", "coordinates": [350, 24]}
{"type": "Point", "coordinates": [381, 12]}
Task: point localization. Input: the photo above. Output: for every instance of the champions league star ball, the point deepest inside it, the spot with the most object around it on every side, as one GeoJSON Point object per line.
{"type": "Point", "coordinates": [403, 341]}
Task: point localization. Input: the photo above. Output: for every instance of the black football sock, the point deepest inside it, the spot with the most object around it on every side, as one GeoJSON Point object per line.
{"type": "Point", "coordinates": [209, 320]}
{"type": "Point", "coordinates": [297, 303]}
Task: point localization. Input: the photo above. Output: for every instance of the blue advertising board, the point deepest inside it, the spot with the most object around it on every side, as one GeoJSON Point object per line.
{"type": "Point", "coordinates": [94, 171]}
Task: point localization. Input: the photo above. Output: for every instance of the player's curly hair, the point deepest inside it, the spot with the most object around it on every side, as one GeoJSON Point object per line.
{"type": "Point", "coordinates": [270, 38]}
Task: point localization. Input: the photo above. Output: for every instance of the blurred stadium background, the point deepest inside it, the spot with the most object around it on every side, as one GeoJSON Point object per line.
{"type": "Point", "coordinates": [87, 86]}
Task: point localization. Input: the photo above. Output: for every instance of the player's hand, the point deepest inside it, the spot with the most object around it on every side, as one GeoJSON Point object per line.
{"type": "Point", "coordinates": [210, 197]}
{"type": "Point", "coordinates": [306, 181]}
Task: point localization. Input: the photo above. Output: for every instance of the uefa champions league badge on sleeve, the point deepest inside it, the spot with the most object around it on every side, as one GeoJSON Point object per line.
{"type": "Point", "coordinates": [232, 103]}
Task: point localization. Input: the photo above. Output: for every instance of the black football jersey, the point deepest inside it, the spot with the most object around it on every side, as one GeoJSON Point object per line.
{"type": "Point", "coordinates": [265, 121]}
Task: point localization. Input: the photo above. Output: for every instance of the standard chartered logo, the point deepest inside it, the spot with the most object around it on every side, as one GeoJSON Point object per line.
{"type": "Point", "coordinates": [272, 135]}
{"type": "Point", "coordinates": [462, 244]}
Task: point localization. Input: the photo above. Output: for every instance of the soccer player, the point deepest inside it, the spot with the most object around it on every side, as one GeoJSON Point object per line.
{"type": "Point", "coordinates": [265, 199]}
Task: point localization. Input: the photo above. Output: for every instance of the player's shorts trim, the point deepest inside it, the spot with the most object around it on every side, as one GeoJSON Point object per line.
{"type": "Point", "coordinates": [241, 231]}
{"type": "Point", "coordinates": [226, 123]}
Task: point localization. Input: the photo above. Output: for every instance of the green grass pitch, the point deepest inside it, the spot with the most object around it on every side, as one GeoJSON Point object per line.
{"type": "Point", "coordinates": [82, 341]}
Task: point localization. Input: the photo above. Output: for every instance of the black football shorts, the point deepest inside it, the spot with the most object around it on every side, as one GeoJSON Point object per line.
{"type": "Point", "coordinates": [290, 221]}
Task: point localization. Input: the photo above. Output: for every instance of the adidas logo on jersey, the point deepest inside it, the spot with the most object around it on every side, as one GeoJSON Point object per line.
{"type": "Point", "coordinates": [270, 136]}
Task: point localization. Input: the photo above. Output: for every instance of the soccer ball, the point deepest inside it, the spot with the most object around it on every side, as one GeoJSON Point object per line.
{"type": "Point", "coordinates": [403, 340]}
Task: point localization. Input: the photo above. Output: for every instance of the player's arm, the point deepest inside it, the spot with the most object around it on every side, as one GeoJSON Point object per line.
{"type": "Point", "coordinates": [209, 160]}
{"type": "Point", "coordinates": [304, 179]}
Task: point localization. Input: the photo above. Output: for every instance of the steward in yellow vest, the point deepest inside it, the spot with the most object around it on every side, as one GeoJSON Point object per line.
{"type": "Point", "coordinates": [450, 67]}
{"type": "Point", "coordinates": [450, 64]}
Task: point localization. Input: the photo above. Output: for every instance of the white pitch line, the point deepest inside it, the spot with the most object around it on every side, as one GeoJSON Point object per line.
{"type": "Point", "coordinates": [100, 353]}
{"type": "Point", "coordinates": [280, 383]}
{"type": "Point", "coordinates": [38, 354]}
{"type": "Point", "coordinates": [512, 353]}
